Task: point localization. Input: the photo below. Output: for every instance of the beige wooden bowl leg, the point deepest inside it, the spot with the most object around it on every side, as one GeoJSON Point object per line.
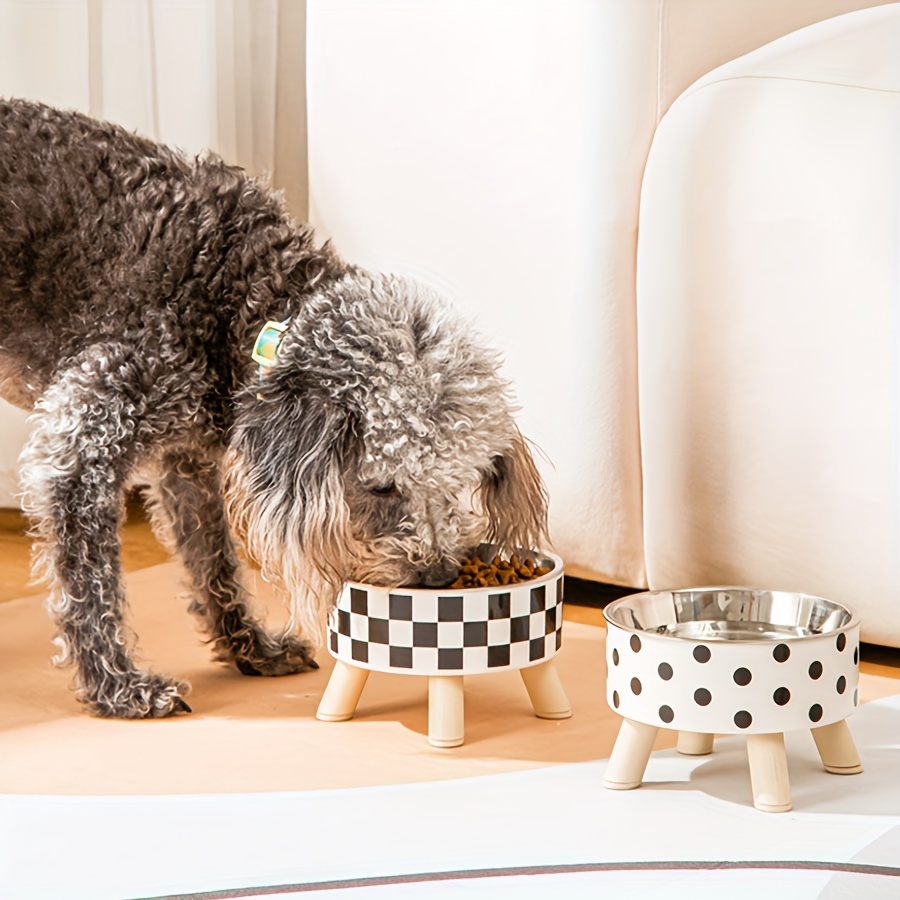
{"type": "Point", "coordinates": [546, 691]}
{"type": "Point", "coordinates": [630, 755]}
{"type": "Point", "coordinates": [446, 715]}
{"type": "Point", "coordinates": [769, 772]}
{"type": "Point", "coordinates": [693, 743]}
{"type": "Point", "coordinates": [836, 747]}
{"type": "Point", "coordinates": [342, 693]}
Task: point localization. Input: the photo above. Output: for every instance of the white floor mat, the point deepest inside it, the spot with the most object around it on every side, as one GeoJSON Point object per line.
{"type": "Point", "coordinates": [690, 830]}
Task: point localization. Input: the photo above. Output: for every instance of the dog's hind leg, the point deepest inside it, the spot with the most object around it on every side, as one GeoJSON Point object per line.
{"type": "Point", "coordinates": [189, 499]}
{"type": "Point", "coordinates": [74, 472]}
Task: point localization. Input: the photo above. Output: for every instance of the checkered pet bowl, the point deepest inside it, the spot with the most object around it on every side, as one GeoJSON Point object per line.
{"type": "Point", "coordinates": [423, 631]}
{"type": "Point", "coordinates": [729, 660]}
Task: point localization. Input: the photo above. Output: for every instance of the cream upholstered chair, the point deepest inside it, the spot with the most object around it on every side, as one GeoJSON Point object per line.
{"type": "Point", "coordinates": [497, 150]}
{"type": "Point", "coordinates": [769, 323]}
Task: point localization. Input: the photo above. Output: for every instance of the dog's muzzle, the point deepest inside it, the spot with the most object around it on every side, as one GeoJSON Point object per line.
{"type": "Point", "coordinates": [440, 574]}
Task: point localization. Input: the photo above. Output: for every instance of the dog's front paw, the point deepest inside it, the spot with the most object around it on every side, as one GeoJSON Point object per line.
{"type": "Point", "coordinates": [286, 655]}
{"type": "Point", "coordinates": [137, 695]}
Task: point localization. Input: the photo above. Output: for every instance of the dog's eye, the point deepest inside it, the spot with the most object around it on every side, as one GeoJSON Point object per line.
{"type": "Point", "coordinates": [384, 490]}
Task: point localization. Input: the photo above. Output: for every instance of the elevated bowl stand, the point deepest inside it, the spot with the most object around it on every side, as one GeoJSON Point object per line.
{"type": "Point", "coordinates": [769, 777]}
{"type": "Point", "coordinates": [444, 636]}
{"type": "Point", "coordinates": [446, 716]}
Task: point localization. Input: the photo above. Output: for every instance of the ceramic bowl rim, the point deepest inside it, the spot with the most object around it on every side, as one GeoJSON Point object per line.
{"type": "Point", "coordinates": [557, 570]}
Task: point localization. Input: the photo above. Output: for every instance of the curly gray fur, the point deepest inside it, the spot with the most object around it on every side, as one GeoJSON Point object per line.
{"type": "Point", "coordinates": [134, 280]}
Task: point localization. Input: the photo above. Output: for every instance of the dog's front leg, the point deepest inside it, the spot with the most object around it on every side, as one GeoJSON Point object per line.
{"type": "Point", "coordinates": [189, 502]}
{"type": "Point", "coordinates": [87, 433]}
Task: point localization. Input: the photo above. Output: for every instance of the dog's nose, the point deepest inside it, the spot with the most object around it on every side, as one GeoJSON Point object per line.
{"type": "Point", "coordinates": [440, 574]}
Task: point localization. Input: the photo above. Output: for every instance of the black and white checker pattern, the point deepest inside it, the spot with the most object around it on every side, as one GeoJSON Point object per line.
{"type": "Point", "coordinates": [465, 632]}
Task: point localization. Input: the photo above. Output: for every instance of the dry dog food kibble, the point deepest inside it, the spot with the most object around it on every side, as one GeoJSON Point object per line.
{"type": "Point", "coordinates": [474, 572]}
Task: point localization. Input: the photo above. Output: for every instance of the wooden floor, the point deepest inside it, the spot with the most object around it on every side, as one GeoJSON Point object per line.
{"type": "Point", "coordinates": [140, 549]}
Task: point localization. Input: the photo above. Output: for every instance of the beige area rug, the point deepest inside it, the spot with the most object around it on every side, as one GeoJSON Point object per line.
{"type": "Point", "coordinates": [258, 734]}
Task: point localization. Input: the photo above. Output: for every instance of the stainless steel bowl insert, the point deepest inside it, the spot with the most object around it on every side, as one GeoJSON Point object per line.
{"type": "Point", "coordinates": [728, 614]}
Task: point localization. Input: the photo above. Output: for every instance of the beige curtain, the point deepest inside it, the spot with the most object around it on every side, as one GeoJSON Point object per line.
{"type": "Point", "coordinates": [226, 75]}
{"type": "Point", "coordinates": [222, 75]}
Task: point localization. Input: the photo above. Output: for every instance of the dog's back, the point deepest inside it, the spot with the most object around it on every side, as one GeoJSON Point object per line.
{"type": "Point", "coordinates": [103, 233]}
{"type": "Point", "coordinates": [65, 211]}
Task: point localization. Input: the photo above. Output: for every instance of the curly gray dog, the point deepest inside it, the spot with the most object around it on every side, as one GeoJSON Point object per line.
{"type": "Point", "coordinates": [378, 446]}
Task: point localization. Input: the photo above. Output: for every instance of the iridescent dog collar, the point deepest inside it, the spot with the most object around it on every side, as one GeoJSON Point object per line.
{"type": "Point", "coordinates": [265, 350]}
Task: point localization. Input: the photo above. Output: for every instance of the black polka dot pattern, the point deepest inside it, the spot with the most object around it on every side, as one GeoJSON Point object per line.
{"type": "Point", "coordinates": [781, 653]}
{"type": "Point", "coordinates": [841, 642]}
{"type": "Point", "coordinates": [782, 696]}
{"type": "Point", "coordinates": [742, 686]}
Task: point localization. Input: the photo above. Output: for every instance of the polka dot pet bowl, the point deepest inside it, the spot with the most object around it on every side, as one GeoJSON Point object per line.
{"type": "Point", "coordinates": [445, 634]}
{"type": "Point", "coordinates": [732, 660]}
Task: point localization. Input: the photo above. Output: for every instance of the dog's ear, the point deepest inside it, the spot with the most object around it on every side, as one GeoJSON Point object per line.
{"type": "Point", "coordinates": [514, 499]}
{"type": "Point", "coordinates": [285, 496]}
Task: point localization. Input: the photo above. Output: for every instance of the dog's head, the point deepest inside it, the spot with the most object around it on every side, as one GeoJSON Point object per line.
{"type": "Point", "coordinates": [381, 447]}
